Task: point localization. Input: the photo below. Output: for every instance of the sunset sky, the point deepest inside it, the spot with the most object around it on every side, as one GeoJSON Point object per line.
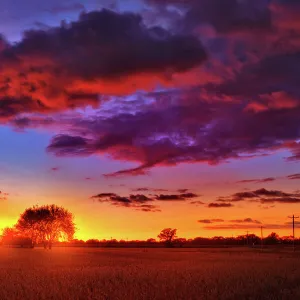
{"type": "Point", "coordinates": [138, 115]}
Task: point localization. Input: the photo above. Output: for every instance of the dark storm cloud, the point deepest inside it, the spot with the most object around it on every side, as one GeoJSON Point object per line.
{"type": "Point", "coordinates": [263, 70]}
{"type": "Point", "coordinates": [262, 196]}
{"type": "Point", "coordinates": [224, 15]}
{"type": "Point", "coordinates": [230, 15]}
{"type": "Point", "coordinates": [198, 131]}
{"type": "Point", "coordinates": [249, 107]}
{"type": "Point", "coordinates": [68, 66]}
{"type": "Point", "coordinates": [140, 201]}
{"type": "Point", "coordinates": [3, 43]}
{"type": "Point", "coordinates": [272, 74]}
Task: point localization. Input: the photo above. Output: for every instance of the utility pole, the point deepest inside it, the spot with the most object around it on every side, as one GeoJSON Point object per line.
{"type": "Point", "coordinates": [261, 238]}
{"type": "Point", "coordinates": [247, 236]}
{"type": "Point", "coordinates": [293, 217]}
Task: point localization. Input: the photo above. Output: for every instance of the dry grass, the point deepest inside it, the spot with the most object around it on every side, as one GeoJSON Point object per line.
{"type": "Point", "coordinates": [154, 274]}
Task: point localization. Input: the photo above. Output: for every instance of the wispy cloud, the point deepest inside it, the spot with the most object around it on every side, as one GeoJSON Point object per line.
{"type": "Point", "coordinates": [143, 202]}
{"type": "Point", "coordinates": [219, 205]}
{"type": "Point", "coordinates": [209, 221]}
{"type": "Point", "coordinates": [262, 180]}
{"type": "Point", "coordinates": [294, 176]}
{"type": "Point", "coordinates": [262, 196]}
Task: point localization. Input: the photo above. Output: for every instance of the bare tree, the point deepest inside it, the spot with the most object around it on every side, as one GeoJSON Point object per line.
{"type": "Point", "coordinates": [46, 224]}
{"type": "Point", "coordinates": [167, 236]}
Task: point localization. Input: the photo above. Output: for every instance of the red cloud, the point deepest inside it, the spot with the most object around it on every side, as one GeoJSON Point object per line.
{"type": "Point", "coordinates": [103, 52]}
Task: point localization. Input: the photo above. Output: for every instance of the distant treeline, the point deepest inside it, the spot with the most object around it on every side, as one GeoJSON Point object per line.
{"type": "Point", "coordinates": [52, 225]}
{"type": "Point", "coordinates": [250, 240]}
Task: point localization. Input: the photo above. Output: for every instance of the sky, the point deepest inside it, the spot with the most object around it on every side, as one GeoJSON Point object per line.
{"type": "Point", "coordinates": [141, 115]}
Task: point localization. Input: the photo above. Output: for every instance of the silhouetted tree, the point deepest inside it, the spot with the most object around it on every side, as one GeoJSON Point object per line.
{"type": "Point", "coordinates": [151, 241]}
{"type": "Point", "coordinates": [46, 224]}
{"type": "Point", "coordinates": [8, 235]}
{"type": "Point", "coordinates": [93, 243]}
{"type": "Point", "coordinates": [272, 238]}
{"type": "Point", "coordinates": [179, 241]}
{"type": "Point", "coordinates": [11, 237]}
{"type": "Point", "coordinates": [253, 239]}
{"type": "Point", "coordinates": [167, 236]}
{"type": "Point", "coordinates": [287, 239]}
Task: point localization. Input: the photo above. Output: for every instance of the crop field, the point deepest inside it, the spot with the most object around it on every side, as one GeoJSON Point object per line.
{"type": "Point", "coordinates": [97, 273]}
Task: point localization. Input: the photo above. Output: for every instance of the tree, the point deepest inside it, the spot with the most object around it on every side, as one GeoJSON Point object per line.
{"type": "Point", "coordinates": [11, 237]}
{"type": "Point", "coordinates": [167, 236]}
{"type": "Point", "coordinates": [151, 241]}
{"type": "Point", "coordinates": [180, 241]}
{"type": "Point", "coordinates": [93, 242]}
{"type": "Point", "coordinates": [253, 239]}
{"type": "Point", "coordinates": [46, 224]}
{"type": "Point", "coordinates": [8, 236]}
{"type": "Point", "coordinates": [272, 238]}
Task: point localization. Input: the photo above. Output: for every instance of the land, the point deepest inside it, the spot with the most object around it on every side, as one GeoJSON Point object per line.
{"type": "Point", "coordinates": [101, 273]}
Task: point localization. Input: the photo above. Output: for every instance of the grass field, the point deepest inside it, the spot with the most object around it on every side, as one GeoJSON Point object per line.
{"type": "Point", "coordinates": [95, 273]}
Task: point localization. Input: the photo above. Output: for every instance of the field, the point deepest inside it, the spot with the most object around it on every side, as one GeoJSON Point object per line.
{"type": "Point", "coordinates": [95, 273]}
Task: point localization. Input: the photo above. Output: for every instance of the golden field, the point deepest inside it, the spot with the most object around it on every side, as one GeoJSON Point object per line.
{"type": "Point", "coordinates": [101, 273]}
